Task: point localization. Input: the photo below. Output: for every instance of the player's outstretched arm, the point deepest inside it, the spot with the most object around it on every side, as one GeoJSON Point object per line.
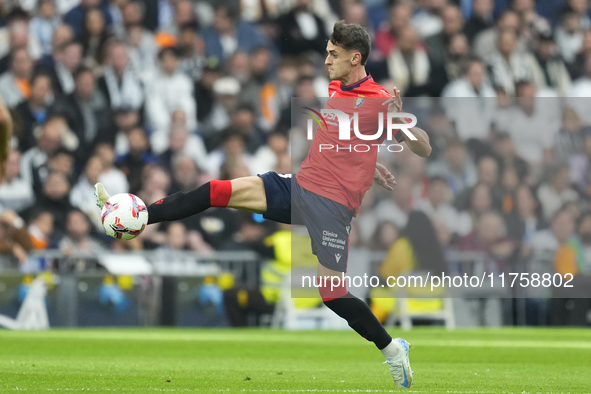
{"type": "Point", "coordinates": [5, 136]}
{"type": "Point", "coordinates": [421, 145]}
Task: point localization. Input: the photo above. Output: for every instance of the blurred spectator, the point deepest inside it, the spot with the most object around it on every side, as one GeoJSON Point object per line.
{"type": "Point", "coordinates": [570, 139]}
{"type": "Point", "coordinates": [556, 190]}
{"type": "Point", "coordinates": [233, 147]}
{"type": "Point", "coordinates": [417, 249]}
{"type": "Point", "coordinates": [260, 91]}
{"type": "Point", "coordinates": [548, 69]}
{"type": "Point", "coordinates": [437, 44]}
{"type": "Point", "coordinates": [68, 57]}
{"type": "Point", "coordinates": [16, 35]}
{"type": "Point", "coordinates": [119, 84]}
{"type": "Point", "coordinates": [176, 237]}
{"type": "Point", "coordinates": [504, 150]}
{"type": "Point", "coordinates": [185, 174]}
{"type": "Point", "coordinates": [15, 83]}
{"type": "Point", "coordinates": [437, 208]}
{"type": "Point", "coordinates": [386, 37]}
{"type": "Point", "coordinates": [16, 192]}
{"type": "Point", "coordinates": [125, 119]}
{"type": "Point", "coordinates": [50, 138]}
{"type": "Point", "coordinates": [583, 243]}
{"type": "Point", "coordinates": [226, 91]}
{"type": "Point", "coordinates": [111, 177]}
{"type": "Point", "coordinates": [576, 68]}
{"type": "Point", "coordinates": [526, 218]}
{"type": "Point", "coordinates": [472, 84]}
{"type": "Point", "coordinates": [302, 30]}
{"type": "Point", "coordinates": [408, 64]}
{"type": "Point", "coordinates": [456, 167]}
{"type": "Point", "coordinates": [488, 175]}
{"type": "Point", "coordinates": [469, 102]}
{"type": "Point", "coordinates": [77, 16]}
{"type": "Point", "coordinates": [569, 35]}
{"type": "Point", "coordinates": [94, 38]}
{"type": "Point", "coordinates": [78, 239]}
{"type": "Point", "coordinates": [580, 167]}
{"type": "Point", "coordinates": [507, 64]}
{"type": "Point", "coordinates": [490, 236]}
{"type": "Point", "coordinates": [61, 36]}
{"type": "Point", "coordinates": [228, 33]}
{"type": "Point", "coordinates": [385, 234]}
{"type": "Point", "coordinates": [396, 208]}
{"type": "Point", "coordinates": [142, 50]}
{"type": "Point", "coordinates": [34, 111]}
{"type": "Point", "coordinates": [456, 61]}
{"type": "Point", "coordinates": [203, 92]}
{"type": "Point", "coordinates": [54, 198]}
{"type": "Point", "coordinates": [61, 162]}
{"type": "Point", "coordinates": [184, 143]}
{"type": "Point", "coordinates": [482, 19]}
{"type": "Point", "coordinates": [549, 250]}
{"type": "Point", "coordinates": [532, 23]}
{"type": "Point", "coordinates": [191, 52]}
{"type": "Point", "coordinates": [14, 237]}
{"type": "Point", "coordinates": [87, 112]}
{"type": "Point", "coordinates": [267, 156]}
{"type": "Point", "coordinates": [155, 182]}
{"type": "Point", "coordinates": [428, 18]}
{"type": "Point", "coordinates": [44, 24]}
{"type": "Point", "coordinates": [132, 163]}
{"type": "Point", "coordinates": [184, 15]}
{"type": "Point", "coordinates": [533, 124]}
{"type": "Point", "coordinates": [169, 91]}
{"type": "Point", "coordinates": [40, 229]}
{"type": "Point", "coordinates": [485, 42]}
{"type": "Point", "coordinates": [238, 66]}
{"type": "Point", "coordinates": [581, 89]}
{"type": "Point", "coordinates": [509, 182]}
{"type": "Point", "coordinates": [82, 194]}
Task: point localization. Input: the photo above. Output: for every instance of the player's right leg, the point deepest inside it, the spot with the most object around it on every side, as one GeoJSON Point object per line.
{"type": "Point", "coordinates": [267, 193]}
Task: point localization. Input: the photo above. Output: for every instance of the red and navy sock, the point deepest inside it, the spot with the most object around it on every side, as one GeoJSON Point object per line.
{"type": "Point", "coordinates": [181, 205]}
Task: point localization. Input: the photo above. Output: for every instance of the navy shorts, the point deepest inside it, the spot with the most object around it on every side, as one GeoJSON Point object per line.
{"type": "Point", "coordinates": [328, 222]}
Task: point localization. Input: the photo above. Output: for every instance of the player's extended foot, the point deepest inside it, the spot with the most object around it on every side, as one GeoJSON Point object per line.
{"type": "Point", "coordinates": [101, 195]}
{"type": "Point", "coordinates": [400, 365]}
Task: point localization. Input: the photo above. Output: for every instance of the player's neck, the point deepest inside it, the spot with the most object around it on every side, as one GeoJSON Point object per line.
{"type": "Point", "coordinates": [356, 75]}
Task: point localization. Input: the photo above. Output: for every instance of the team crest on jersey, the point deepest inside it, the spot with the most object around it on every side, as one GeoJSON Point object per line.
{"type": "Point", "coordinates": [360, 101]}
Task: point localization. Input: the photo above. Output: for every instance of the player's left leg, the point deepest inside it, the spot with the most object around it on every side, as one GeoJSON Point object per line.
{"type": "Point", "coordinates": [361, 319]}
{"type": "Point", "coordinates": [329, 224]}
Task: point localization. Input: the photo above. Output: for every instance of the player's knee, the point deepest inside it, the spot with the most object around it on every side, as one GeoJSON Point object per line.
{"type": "Point", "coordinates": [330, 290]}
{"type": "Point", "coordinates": [248, 193]}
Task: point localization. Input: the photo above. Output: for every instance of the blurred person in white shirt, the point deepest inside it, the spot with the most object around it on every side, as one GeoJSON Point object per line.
{"type": "Point", "coordinates": [114, 179]}
{"type": "Point", "coordinates": [16, 193]}
{"type": "Point", "coordinates": [170, 90]}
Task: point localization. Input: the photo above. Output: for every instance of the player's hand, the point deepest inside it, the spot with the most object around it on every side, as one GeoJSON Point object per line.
{"type": "Point", "coordinates": [383, 177]}
{"type": "Point", "coordinates": [394, 103]}
{"type": "Point", "coordinates": [101, 195]}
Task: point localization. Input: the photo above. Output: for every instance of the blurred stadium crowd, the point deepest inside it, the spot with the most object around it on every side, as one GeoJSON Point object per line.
{"type": "Point", "coordinates": [156, 96]}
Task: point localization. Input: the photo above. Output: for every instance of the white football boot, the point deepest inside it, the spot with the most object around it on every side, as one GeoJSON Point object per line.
{"type": "Point", "coordinates": [101, 195]}
{"type": "Point", "coordinates": [400, 365]}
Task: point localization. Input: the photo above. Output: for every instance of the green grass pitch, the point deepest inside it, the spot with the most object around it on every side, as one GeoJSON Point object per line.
{"type": "Point", "coordinates": [264, 360]}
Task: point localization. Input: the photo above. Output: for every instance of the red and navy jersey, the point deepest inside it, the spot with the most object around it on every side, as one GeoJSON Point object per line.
{"type": "Point", "coordinates": [344, 175]}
